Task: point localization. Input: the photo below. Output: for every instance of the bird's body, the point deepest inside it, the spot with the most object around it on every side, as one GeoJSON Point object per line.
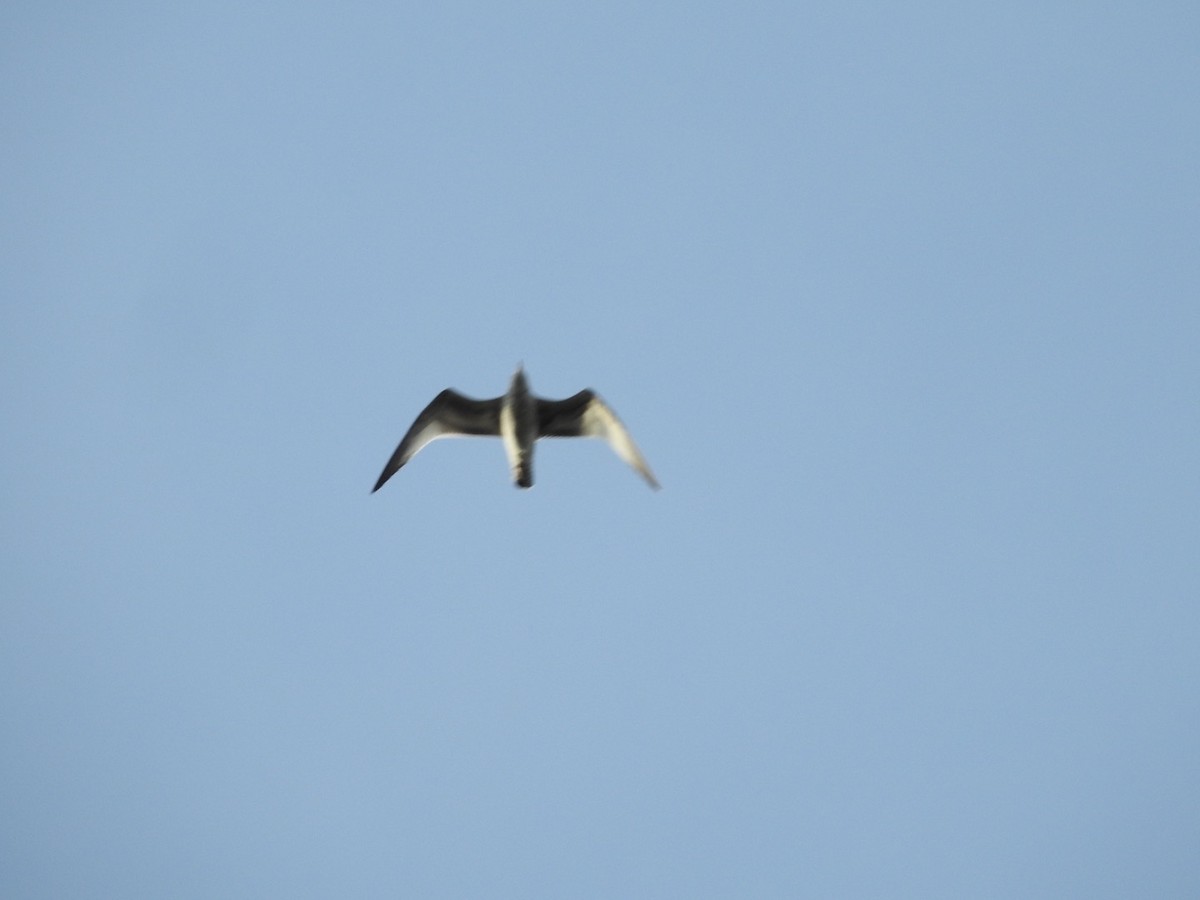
{"type": "Point", "coordinates": [518, 418]}
{"type": "Point", "coordinates": [519, 428]}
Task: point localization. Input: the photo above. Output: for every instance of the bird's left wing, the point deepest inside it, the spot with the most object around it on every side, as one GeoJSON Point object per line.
{"type": "Point", "coordinates": [586, 415]}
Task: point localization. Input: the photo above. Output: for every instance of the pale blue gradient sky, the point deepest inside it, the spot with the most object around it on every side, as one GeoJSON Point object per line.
{"type": "Point", "coordinates": [900, 303]}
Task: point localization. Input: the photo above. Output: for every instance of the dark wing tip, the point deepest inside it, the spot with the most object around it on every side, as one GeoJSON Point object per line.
{"type": "Point", "coordinates": [388, 471]}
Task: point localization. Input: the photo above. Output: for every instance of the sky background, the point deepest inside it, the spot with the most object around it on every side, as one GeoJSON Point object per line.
{"type": "Point", "coordinates": [900, 303]}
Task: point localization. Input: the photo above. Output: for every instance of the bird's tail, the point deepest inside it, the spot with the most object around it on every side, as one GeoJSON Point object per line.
{"type": "Point", "coordinates": [523, 475]}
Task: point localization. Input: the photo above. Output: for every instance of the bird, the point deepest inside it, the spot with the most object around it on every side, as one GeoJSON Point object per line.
{"type": "Point", "coordinates": [519, 418]}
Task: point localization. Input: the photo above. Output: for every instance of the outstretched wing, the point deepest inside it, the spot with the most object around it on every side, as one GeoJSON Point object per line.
{"type": "Point", "coordinates": [449, 414]}
{"type": "Point", "coordinates": [586, 415]}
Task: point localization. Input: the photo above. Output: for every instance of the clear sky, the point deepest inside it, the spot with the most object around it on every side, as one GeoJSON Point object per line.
{"type": "Point", "coordinates": [901, 302]}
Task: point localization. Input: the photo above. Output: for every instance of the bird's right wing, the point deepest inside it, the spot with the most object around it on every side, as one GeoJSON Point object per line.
{"type": "Point", "coordinates": [448, 415]}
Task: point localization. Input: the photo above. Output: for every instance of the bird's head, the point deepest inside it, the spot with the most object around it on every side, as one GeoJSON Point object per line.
{"type": "Point", "coordinates": [518, 380]}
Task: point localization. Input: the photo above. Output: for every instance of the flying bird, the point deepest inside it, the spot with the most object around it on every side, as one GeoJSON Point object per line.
{"type": "Point", "coordinates": [519, 418]}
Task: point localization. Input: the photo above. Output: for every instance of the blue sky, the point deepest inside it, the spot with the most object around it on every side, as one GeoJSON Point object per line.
{"type": "Point", "coordinates": [899, 302]}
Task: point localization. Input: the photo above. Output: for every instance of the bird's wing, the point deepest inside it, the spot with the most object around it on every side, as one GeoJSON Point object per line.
{"type": "Point", "coordinates": [586, 415]}
{"type": "Point", "coordinates": [448, 415]}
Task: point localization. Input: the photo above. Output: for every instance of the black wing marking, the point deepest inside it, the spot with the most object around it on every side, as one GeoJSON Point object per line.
{"type": "Point", "coordinates": [563, 418]}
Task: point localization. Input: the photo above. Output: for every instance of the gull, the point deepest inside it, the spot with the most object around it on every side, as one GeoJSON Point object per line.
{"type": "Point", "coordinates": [519, 418]}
